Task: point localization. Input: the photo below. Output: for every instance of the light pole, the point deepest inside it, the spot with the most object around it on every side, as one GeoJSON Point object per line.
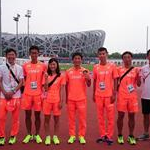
{"type": "Point", "coordinates": [28, 15]}
{"type": "Point", "coordinates": [16, 19]}
{"type": "Point", "coordinates": [0, 31]}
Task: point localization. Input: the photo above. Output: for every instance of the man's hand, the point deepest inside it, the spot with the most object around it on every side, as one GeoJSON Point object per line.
{"type": "Point", "coordinates": [86, 75]}
{"type": "Point", "coordinates": [46, 76]}
{"type": "Point", "coordinates": [114, 96]}
{"type": "Point", "coordinates": [8, 95]}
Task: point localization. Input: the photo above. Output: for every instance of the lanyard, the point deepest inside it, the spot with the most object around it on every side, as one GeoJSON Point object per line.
{"type": "Point", "coordinates": [130, 79]}
{"type": "Point", "coordinates": [11, 79]}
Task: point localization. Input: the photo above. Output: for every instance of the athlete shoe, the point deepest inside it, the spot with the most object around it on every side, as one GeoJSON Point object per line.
{"type": "Point", "coordinates": [109, 141]}
{"type": "Point", "coordinates": [120, 139]}
{"type": "Point", "coordinates": [71, 139]}
{"type": "Point", "coordinates": [56, 141]}
{"type": "Point", "coordinates": [37, 139]}
{"type": "Point", "coordinates": [131, 140]}
{"type": "Point", "coordinates": [143, 137]}
{"type": "Point", "coordinates": [12, 140]}
{"type": "Point", "coordinates": [27, 139]}
{"type": "Point", "coordinates": [48, 140]}
{"type": "Point", "coordinates": [101, 139]}
{"type": "Point", "coordinates": [82, 140]}
{"type": "Point", "coordinates": [2, 141]}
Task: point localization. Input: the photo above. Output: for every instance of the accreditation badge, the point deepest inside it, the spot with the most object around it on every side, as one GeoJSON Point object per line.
{"type": "Point", "coordinates": [130, 88]}
{"type": "Point", "coordinates": [33, 85]}
{"type": "Point", "coordinates": [102, 85]}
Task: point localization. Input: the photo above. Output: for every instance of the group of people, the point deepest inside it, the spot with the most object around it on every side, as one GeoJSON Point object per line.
{"type": "Point", "coordinates": [40, 87]}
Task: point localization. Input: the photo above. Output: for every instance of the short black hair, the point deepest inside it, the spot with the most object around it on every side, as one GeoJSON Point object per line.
{"type": "Point", "coordinates": [34, 47]}
{"type": "Point", "coordinates": [148, 52]}
{"type": "Point", "coordinates": [127, 52]}
{"type": "Point", "coordinates": [77, 54]}
{"type": "Point", "coordinates": [102, 49]}
{"type": "Point", "coordinates": [49, 71]}
{"type": "Point", "coordinates": [10, 50]}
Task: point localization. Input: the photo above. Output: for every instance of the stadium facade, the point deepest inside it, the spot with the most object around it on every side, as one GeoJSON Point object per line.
{"type": "Point", "coordinates": [86, 42]}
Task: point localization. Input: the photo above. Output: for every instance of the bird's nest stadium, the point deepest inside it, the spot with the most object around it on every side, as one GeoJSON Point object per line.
{"type": "Point", "coordinates": [61, 45]}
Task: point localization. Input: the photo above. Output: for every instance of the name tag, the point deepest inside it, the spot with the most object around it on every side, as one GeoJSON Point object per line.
{"type": "Point", "coordinates": [33, 85]}
{"type": "Point", "coordinates": [130, 88]}
{"type": "Point", "coordinates": [102, 85]}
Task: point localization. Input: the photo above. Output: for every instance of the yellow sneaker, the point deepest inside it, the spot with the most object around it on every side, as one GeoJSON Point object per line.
{"type": "Point", "coordinates": [48, 140]}
{"type": "Point", "coordinates": [56, 140]}
{"type": "Point", "coordinates": [12, 140]}
{"type": "Point", "coordinates": [38, 139]}
{"type": "Point", "coordinates": [71, 140]}
{"type": "Point", "coordinates": [82, 140]}
{"type": "Point", "coordinates": [27, 139]}
{"type": "Point", "coordinates": [2, 141]}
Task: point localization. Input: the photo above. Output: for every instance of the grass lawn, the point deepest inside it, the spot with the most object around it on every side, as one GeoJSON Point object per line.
{"type": "Point", "coordinates": [66, 66]}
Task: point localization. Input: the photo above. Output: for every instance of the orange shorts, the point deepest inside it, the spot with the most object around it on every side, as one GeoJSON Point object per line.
{"type": "Point", "coordinates": [49, 108]}
{"type": "Point", "coordinates": [31, 102]}
{"type": "Point", "coordinates": [125, 104]}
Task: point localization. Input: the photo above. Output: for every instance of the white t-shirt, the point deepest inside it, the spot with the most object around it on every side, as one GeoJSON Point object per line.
{"type": "Point", "coordinates": [145, 76]}
{"type": "Point", "coordinates": [7, 79]}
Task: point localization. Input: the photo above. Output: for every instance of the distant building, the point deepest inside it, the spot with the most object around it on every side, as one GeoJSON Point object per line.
{"type": "Point", "coordinates": [55, 44]}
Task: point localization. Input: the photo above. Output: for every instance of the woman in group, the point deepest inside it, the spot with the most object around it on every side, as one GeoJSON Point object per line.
{"type": "Point", "coordinates": [54, 88]}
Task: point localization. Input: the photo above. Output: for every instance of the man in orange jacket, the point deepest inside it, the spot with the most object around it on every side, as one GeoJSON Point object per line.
{"type": "Point", "coordinates": [127, 96]}
{"type": "Point", "coordinates": [77, 78]}
{"type": "Point", "coordinates": [34, 72]}
{"type": "Point", "coordinates": [104, 94]}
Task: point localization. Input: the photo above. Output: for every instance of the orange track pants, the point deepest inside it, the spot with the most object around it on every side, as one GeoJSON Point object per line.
{"type": "Point", "coordinates": [80, 107]}
{"type": "Point", "coordinates": [15, 118]}
{"type": "Point", "coordinates": [104, 105]}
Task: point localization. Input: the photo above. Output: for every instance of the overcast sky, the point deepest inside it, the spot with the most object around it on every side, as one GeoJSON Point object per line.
{"type": "Point", "coordinates": [124, 21]}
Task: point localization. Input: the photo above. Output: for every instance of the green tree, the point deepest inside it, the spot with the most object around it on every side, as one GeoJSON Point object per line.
{"type": "Point", "coordinates": [115, 55]}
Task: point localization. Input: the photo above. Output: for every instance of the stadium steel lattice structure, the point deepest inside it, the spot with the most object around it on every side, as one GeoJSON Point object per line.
{"type": "Point", "coordinates": [56, 44]}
